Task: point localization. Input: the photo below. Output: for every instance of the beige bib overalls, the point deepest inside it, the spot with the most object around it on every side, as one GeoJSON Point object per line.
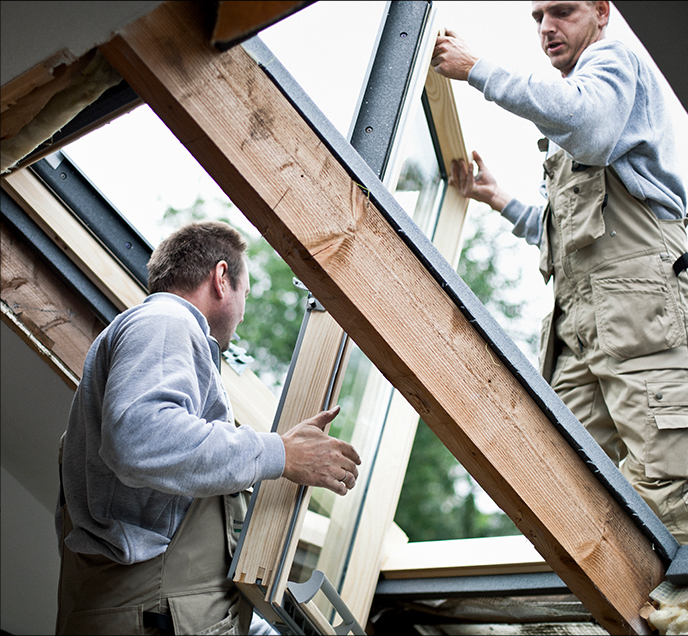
{"type": "Point", "coordinates": [188, 583]}
{"type": "Point", "coordinates": [615, 347]}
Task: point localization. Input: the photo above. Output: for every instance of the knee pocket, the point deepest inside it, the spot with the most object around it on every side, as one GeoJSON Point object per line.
{"type": "Point", "coordinates": [666, 433]}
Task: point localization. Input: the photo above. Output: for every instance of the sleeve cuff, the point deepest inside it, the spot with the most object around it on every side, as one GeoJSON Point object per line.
{"type": "Point", "coordinates": [272, 459]}
{"type": "Point", "coordinates": [481, 70]}
{"type": "Point", "coordinates": [514, 210]}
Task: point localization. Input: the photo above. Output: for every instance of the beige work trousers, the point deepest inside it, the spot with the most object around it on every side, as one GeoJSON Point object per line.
{"type": "Point", "coordinates": [188, 582]}
{"type": "Point", "coordinates": [615, 347]}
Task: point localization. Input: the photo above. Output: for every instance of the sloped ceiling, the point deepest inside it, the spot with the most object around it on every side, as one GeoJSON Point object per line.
{"type": "Point", "coordinates": [661, 27]}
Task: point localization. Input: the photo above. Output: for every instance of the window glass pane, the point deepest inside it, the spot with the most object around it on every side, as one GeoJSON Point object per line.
{"type": "Point", "coordinates": [420, 184]}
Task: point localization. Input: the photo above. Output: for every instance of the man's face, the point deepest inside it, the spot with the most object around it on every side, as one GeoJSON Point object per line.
{"type": "Point", "coordinates": [233, 309]}
{"type": "Point", "coordinates": [566, 29]}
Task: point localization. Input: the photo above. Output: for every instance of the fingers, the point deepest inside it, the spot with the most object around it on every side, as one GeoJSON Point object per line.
{"type": "Point", "coordinates": [313, 458]}
{"type": "Point", "coordinates": [478, 160]}
{"type": "Point", "coordinates": [343, 485]}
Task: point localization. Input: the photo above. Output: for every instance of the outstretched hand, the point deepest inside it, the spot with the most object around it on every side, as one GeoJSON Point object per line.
{"type": "Point", "coordinates": [313, 458]}
{"type": "Point", "coordinates": [481, 186]}
{"type": "Point", "coordinates": [452, 57]}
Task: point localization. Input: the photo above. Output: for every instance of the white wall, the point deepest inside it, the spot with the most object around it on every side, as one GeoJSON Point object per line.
{"type": "Point", "coordinates": [30, 562]}
{"type": "Point", "coordinates": [31, 32]}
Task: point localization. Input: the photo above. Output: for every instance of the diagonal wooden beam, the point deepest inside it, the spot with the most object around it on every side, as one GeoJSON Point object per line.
{"type": "Point", "coordinates": [298, 194]}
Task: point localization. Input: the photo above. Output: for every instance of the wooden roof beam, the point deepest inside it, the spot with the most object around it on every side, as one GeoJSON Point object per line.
{"type": "Point", "coordinates": [263, 154]}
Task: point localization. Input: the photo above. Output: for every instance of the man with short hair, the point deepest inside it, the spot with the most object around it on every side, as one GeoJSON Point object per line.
{"type": "Point", "coordinates": [155, 473]}
{"type": "Point", "coordinates": [612, 236]}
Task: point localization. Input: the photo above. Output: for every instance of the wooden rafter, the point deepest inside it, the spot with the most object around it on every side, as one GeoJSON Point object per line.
{"type": "Point", "coordinates": [43, 311]}
{"type": "Point", "coordinates": [296, 192]}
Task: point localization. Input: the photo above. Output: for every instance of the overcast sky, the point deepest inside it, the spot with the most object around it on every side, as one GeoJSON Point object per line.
{"type": "Point", "coordinates": [142, 168]}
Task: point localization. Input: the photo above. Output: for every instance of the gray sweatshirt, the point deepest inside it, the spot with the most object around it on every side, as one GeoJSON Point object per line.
{"type": "Point", "coordinates": [609, 111]}
{"type": "Point", "coordinates": [151, 428]}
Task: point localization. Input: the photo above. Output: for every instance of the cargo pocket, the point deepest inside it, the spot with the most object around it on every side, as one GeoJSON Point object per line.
{"type": "Point", "coordinates": [115, 620]}
{"type": "Point", "coordinates": [635, 316]}
{"type": "Point", "coordinates": [579, 208]}
{"type": "Point", "coordinates": [210, 612]}
{"type": "Point", "coordinates": [666, 435]}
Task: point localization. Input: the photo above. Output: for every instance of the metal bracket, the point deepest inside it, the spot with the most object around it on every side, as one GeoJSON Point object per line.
{"type": "Point", "coordinates": [312, 303]}
{"type": "Point", "coordinates": [302, 593]}
{"type": "Point", "coordinates": [237, 358]}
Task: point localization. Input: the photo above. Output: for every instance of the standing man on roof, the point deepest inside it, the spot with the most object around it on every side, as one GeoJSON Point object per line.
{"type": "Point", "coordinates": [612, 236]}
{"type": "Point", "coordinates": [155, 471]}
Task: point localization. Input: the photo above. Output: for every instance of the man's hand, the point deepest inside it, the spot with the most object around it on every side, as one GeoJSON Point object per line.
{"type": "Point", "coordinates": [452, 57]}
{"type": "Point", "coordinates": [313, 458]}
{"type": "Point", "coordinates": [482, 186]}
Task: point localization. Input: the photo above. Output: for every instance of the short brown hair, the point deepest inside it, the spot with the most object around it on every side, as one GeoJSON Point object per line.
{"type": "Point", "coordinates": [186, 257]}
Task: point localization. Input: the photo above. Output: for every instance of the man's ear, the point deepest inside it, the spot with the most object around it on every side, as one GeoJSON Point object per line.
{"type": "Point", "coordinates": [219, 279]}
{"type": "Point", "coordinates": [603, 13]}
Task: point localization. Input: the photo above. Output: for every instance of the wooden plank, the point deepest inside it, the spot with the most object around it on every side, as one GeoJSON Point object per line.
{"type": "Point", "coordinates": [452, 217]}
{"type": "Point", "coordinates": [464, 557]}
{"type": "Point", "coordinates": [43, 311]}
{"type": "Point", "coordinates": [266, 534]}
{"type": "Point", "coordinates": [276, 169]}
{"type": "Point", "coordinates": [74, 239]}
{"type": "Point", "coordinates": [239, 19]}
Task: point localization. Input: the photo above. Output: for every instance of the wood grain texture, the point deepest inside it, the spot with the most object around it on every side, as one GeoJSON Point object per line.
{"type": "Point", "coordinates": [276, 500]}
{"type": "Point", "coordinates": [50, 312]}
{"type": "Point", "coordinates": [238, 18]}
{"type": "Point", "coordinates": [452, 216]}
{"type": "Point", "coordinates": [275, 168]}
{"type": "Point", "coordinates": [74, 239]}
{"type": "Point", "coordinates": [463, 557]}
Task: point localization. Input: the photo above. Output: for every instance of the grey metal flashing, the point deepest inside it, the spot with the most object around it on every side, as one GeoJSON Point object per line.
{"type": "Point", "coordinates": [677, 574]}
{"type": "Point", "coordinates": [525, 584]}
{"type": "Point", "coordinates": [503, 347]}
{"type": "Point", "coordinates": [105, 222]}
{"type": "Point", "coordinates": [385, 93]}
{"type": "Point", "coordinates": [58, 261]}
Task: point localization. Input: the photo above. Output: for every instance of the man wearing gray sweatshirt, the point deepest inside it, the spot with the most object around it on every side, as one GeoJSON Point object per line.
{"type": "Point", "coordinates": [612, 237]}
{"type": "Point", "coordinates": [154, 470]}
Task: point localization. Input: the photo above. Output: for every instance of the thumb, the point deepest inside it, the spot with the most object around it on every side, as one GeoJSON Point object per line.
{"type": "Point", "coordinates": [450, 34]}
{"type": "Point", "coordinates": [478, 160]}
{"type": "Point", "coordinates": [322, 419]}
